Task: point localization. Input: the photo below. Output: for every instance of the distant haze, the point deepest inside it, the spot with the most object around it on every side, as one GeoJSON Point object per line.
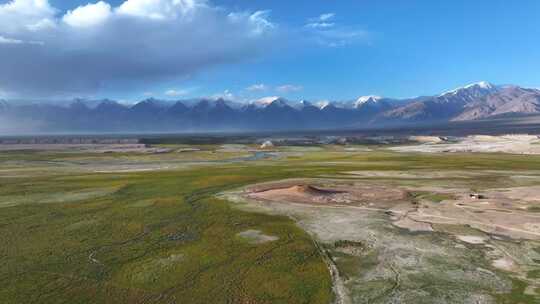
{"type": "Point", "coordinates": [478, 101]}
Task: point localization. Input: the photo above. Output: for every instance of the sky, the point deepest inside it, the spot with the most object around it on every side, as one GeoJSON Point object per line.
{"type": "Point", "coordinates": [246, 49]}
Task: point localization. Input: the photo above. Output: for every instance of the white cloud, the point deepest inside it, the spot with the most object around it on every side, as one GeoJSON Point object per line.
{"type": "Point", "coordinates": [330, 34]}
{"type": "Point", "coordinates": [5, 40]}
{"type": "Point", "coordinates": [327, 16]}
{"type": "Point", "coordinates": [159, 9]}
{"type": "Point", "coordinates": [322, 21]}
{"type": "Point", "coordinates": [21, 15]}
{"type": "Point", "coordinates": [289, 88]}
{"type": "Point", "coordinates": [176, 92]}
{"type": "Point", "coordinates": [323, 18]}
{"type": "Point", "coordinates": [319, 25]}
{"type": "Point", "coordinates": [43, 24]}
{"type": "Point", "coordinates": [258, 20]}
{"type": "Point", "coordinates": [257, 87]}
{"type": "Point", "coordinates": [88, 15]}
{"type": "Point", "coordinates": [139, 41]}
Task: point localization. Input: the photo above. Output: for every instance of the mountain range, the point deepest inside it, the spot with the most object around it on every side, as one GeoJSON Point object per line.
{"type": "Point", "coordinates": [478, 101]}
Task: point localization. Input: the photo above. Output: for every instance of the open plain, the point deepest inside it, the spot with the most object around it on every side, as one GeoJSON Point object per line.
{"type": "Point", "coordinates": [234, 223]}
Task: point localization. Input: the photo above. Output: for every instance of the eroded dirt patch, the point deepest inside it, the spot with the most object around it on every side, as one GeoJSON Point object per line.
{"type": "Point", "coordinates": [317, 192]}
{"type": "Point", "coordinates": [514, 144]}
{"type": "Point", "coordinates": [385, 242]}
{"type": "Point", "coordinates": [257, 237]}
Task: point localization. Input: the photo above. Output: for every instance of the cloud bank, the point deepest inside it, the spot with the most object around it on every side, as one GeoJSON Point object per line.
{"type": "Point", "coordinates": [44, 52]}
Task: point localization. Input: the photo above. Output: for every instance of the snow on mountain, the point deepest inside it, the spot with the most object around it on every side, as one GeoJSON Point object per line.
{"type": "Point", "coordinates": [510, 100]}
{"type": "Point", "coordinates": [478, 88]}
{"type": "Point", "coordinates": [367, 99]}
{"type": "Point", "coordinates": [475, 101]}
{"type": "Point", "coordinates": [480, 100]}
{"type": "Point", "coordinates": [266, 100]}
{"type": "Point", "coordinates": [322, 104]}
{"type": "Point", "coordinates": [271, 100]}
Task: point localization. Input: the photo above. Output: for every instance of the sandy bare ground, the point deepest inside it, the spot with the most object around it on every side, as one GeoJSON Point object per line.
{"type": "Point", "coordinates": [504, 263]}
{"type": "Point", "coordinates": [304, 192]}
{"type": "Point", "coordinates": [472, 239]}
{"type": "Point", "coordinates": [501, 212]}
{"type": "Point", "coordinates": [426, 139]}
{"type": "Point", "coordinates": [399, 254]}
{"type": "Point", "coordinates": [528, 194]}
{"type": "Point", "coordinates": [412, 225]}
{"type": "Point", "coordinates": [514, 144]}
{"type": "Point", "coordinates": [257, 237]}
{"type": "Point", "coordinates": [370, 211]}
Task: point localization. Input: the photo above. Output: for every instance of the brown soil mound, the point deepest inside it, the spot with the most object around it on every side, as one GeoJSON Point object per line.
{"type": "Point", "coordinates": [302, 193]}
{"type": "Point", "coordinates": [312, 190]}
{"type": "Point", "coordinates": [356, 195]}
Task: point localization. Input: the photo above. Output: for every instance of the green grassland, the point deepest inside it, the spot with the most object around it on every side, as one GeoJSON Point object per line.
{"type": "Point", "coordinates": [72, 236]}
{"type": "Point", "coordinates": [111, 248]}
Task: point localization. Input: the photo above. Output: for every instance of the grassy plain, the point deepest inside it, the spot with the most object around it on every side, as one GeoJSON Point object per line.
{"type": "Point", "coordinates": [74, 234]}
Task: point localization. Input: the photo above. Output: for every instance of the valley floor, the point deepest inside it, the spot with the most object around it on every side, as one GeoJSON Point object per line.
{"type": "Point", "coordinates": [290, 224]}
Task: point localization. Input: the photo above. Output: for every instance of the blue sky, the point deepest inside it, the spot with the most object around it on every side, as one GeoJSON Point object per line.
{"type": "Point", "coordinates": [302, 49]}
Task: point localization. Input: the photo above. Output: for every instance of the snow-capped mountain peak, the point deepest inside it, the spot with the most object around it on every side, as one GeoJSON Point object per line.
{"type": "Point", "coordinates": [271, 100]}
{"type": "Point", "coordinates": [266, 100]}
{"type": "Point", "coordinates": [323, 104]}
{"type": "Point", "coordinates": [367, 99]}
{"type": "Point", "coordinates": [481, 84]}
{"type": "Point", "coordinates": [477, 87]}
